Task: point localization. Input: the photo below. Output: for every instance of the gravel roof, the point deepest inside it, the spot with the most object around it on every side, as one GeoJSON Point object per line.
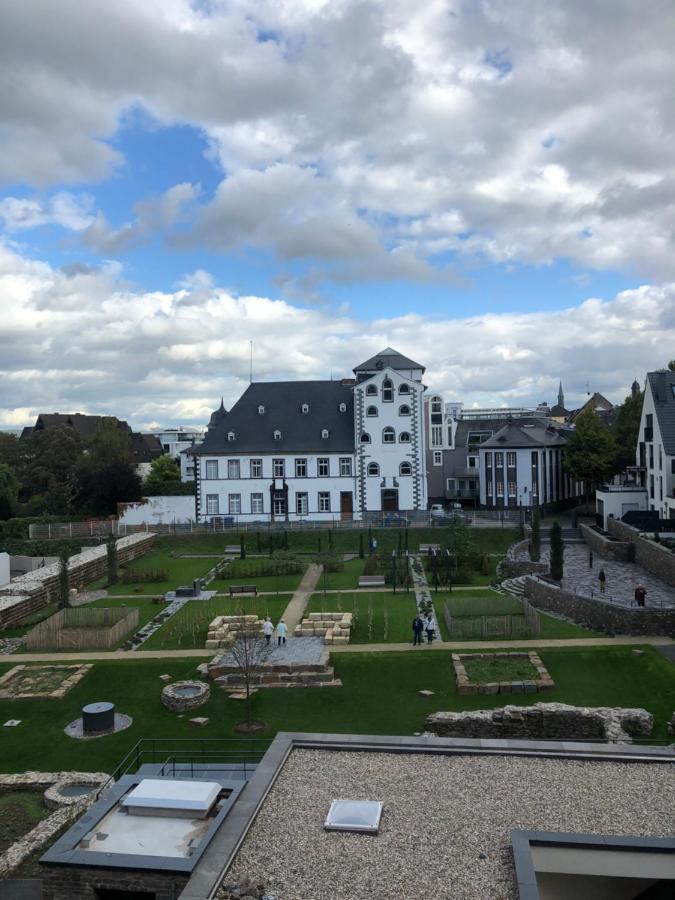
{"type": "Point", "coordinates": [446, 825]}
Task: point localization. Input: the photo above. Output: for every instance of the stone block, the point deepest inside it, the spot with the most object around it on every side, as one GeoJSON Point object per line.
{"type": "Point", "coordinates": [198, 721]}
{"type": "Point", "coordinates": [505, 687]}
{"type": "Point", "coordinates": [490, 687]}
{"type": "Point", "coordinates": [517, 687]}
{"type": "Point", "coordinates": [425, 693]}
{"type": "Point", "coordinates": [529, 687]}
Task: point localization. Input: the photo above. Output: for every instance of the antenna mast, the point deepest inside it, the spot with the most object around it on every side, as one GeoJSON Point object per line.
{"type": "Point", "coordinates": [250, 370]}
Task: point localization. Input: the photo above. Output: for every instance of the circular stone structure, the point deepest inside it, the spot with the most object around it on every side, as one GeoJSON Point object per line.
{"type": "Point", "coordinates": [70, 791]}
{"type": "Point", "coordinates": [183, 696]}
{"type": "Point", "coordinates": [77, 730]}
{"type": "Point", "coordinates": [98, 718]}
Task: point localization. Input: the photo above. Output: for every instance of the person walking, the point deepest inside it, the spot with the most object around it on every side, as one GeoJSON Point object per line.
{"type": "Point", "coordinates": [418, 628]}
{"type": "Point", "coordinates": [430, 628]}
{"type": "Point", "coordinates": [602, 579]}
{"type": "Point", "coordinates": [282, 631]}
{"type": "Point", "coordinates": [268, 629]}
{"type": "Point", "coordinates": [640, 594]}
{"type": "Point", "coordinates": [590, 559]}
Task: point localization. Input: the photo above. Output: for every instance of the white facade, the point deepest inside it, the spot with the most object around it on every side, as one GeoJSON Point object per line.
{"type": "Point", "coordinates": [175, 441]}
{"type": "Point", "coordinates": [659, 467]}
{"type": "Point", "coordinates": [614, 501]}
{"type": "Point", "coordinates": [524, 476]}
{"type": "Point", "coordinates": [158, 510]}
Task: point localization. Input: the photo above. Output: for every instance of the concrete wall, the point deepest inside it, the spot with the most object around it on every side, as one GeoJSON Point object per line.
{"type": "Point", "coordinates": [154, 510]}
{"type": "Point", "coordinates": [614, 504]}
{"type": "Point", "coordinates": [607, 548]}
{"type": "Point", "coordinates": [19, 565]}
{"type": "Point", "coordinates": [79, 883]}
{"type": "Point", "coordinates": [4, 569]}
{"type": "Point", "coordinates": [656, 558]}
{"type": "Point", "coordinates": [599, 614]}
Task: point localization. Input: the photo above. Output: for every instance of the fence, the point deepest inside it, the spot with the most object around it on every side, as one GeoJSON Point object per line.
{"type": "Point", "coordinates": [525, 625]}
{"type": "Point", "coordinates": [83, 629]}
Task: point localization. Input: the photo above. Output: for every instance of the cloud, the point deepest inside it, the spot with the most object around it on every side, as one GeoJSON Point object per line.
{"type": "Point", "coordinates": [86, 341]}
{"type": "Point", "coordinates": [70, 211]}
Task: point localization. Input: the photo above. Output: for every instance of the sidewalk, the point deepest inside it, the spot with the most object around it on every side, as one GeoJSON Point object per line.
{"type": "Point", "coordinates": [626, 641]}
{"type": "Point", "coordinates": [296, 608]}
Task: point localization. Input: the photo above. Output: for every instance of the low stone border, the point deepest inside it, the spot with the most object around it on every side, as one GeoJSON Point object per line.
{"type": "Point", "coordinates": [543, 682]}
{"type": "Point", "coordinates": [173, 698]}
{"type": "Point", "coordinates": [78, 673]}
{"type": "Point", "coordinates": [334, 627]}
{"type": "Point", "coordinates": [66, 810]}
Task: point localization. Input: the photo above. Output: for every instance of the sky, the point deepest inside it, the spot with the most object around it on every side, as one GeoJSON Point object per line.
{"type": "Point", "coordinates": [488, 186]}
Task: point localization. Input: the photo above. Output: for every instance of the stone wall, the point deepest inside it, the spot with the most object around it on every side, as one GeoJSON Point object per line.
{"type": "Point", "coordinates": [605, 547]}
{"type": "Point", "coordinates": [544, 721]}
{"type": "Point", "coordinates": [511, 566]}
{"type": "Point", "coordinates": [599, 614]}
{"type": "Point", "coordinates": [656, 558]}
{"type": "Point", "coordinates": [29, 593]}
{"type": "Point", "coordinates": [79, 883]}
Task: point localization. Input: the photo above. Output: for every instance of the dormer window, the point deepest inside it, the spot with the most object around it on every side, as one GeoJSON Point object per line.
{"type": "Point", "coordinates": [371, 390]}
{"type": "Point", "coordinates": [261, 410]}
{"type": "Point", "coordinates": [230, 435]}
{"type": "Point", "coordinates": [277, 435]}
{"type": "Point", "coordinates": [342, 407]}
{"type": "Point", "coordinates": [387, 390]}
{"type": "Point", "coordinates": [324, 434]}
{"type": "Point", "coordinates": [305, 408]}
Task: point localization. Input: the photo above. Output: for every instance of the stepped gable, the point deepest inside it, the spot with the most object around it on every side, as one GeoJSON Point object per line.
{"type": "Point", "coordinates": [281, 403]}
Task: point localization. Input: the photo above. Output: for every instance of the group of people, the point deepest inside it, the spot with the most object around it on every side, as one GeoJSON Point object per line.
{"type": "Point", "coordinates": [423, 625]}
{"type": "Point", "coordinates": [640, 590]}
{"type": "Point", "coordinates": [281, 630]}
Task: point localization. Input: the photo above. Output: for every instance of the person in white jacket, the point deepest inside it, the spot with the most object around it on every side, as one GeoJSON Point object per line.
{"type": "Point", "coordinates": [282, 631]}
{"type": "Point", "coordinates": [430, 627]}
{"type": "Point", "coordinates": [268, 629]}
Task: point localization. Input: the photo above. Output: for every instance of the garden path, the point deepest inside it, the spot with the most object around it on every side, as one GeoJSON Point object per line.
{"type": "Point", "coordinates": [296, 608]}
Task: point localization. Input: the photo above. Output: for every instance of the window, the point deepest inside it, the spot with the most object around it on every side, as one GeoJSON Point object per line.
{"type": "Point", "coordinates": [324, 434]}
{"type": "Point", "coordinates": [323, 467]}
{"type": "Point", "coordinates": [499, 460]}
{"type": "Point", "coordinates": [365, 437]}
{"type": "Point", "coordinates": [404, 410]}
{"type": "Point", "coordinates": [500, 488]}
{"type": "Point", "coordinates": [489, 488]}
{"type": "Point", "coordinates": [405, 469]}
{"type": "Point", "coordinates": [301, 468]}
{"type": "Point", "coordinates": [451, 485]}
{"type": "Point", "coordinates": [472, 462]}
{"type": "Point", "coordinates": [233, 469]}
{"type": "Point", "coordinates": [305, 408]}
{"type": "Point", "coordinates": [256, 468]}
{"type": "Point", "coordinates": [488, 458]}
{"type": "Point", "coordinates": [436, 405]}
{"type": "Point", "coordinates": [212, 504]}
{"type": "Point", "coordinates": [302, 504]}
{"type": "Point", "coordinates": [512, 489]}
{"type": "Point", "coordinates": [278, 468]}
{"type": "Point", "coordinates": [651, 456]}
{"type": "Point", "coordinates": [342, 407]}
{"type": "Point", "coordinates": [279, 504]}
{"type": "Point", "coordinates": [510, 459]}
{"type": "Point", "coordinates": [403, 389]}
{"type": "Point", "coordinates": [404, 437]}
{"type": "Point", "coordinates": [257, 503]}
{"type": "Point", "coordinates": [436, 435]}
{"type": "Point", "coordinates": [234, 504]}
{"type": "Point", "coordinates": [474, 438]}
{"type": "Point", "coordinates": [345, 466]}
{"type": "Point", "coordinates": [438, 458]}
{"type": "Point", "coordinates": [277, 435]}
{"type": "Point", "coordinates": [371, 390]}
{"type": "Point", "coordinates": [387, 391]}
{"type": "Point", "coordinates": [324, 501]}
{"type": "Point", "coordinates": [211, 468]}
{"type": "Point", "coordinates": [230, 435]}
{"type": "Point", "coordinates": [371, 411]}
{"type": "Point", "coordinates": [261, 410]}
{"type": "Point", "coordinates": [373, 469]}
{"type": "Point", "coordinates": [388, 436]}
{"type": "Point", "coordinates": [660, 458]}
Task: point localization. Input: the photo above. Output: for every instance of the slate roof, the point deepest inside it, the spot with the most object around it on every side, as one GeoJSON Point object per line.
{"type": "Point", "coordinates": [86, 426]}
{"type": "Point", "coordinates": [559, 411]}
{"type": "Point", "coordinates": [520, 434]}
{"type": "Point", "coordinates": [283, 400]}
{"type": "Point", "coordinates": [144, 447]}
{"type": "Point", "coordinates": [662, 385]}
{"type": "Point", "coordinates": [388, 357]}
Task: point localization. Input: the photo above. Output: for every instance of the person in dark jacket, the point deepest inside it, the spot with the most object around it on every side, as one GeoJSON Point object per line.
{"type": "Point", "coordinates": [640, 594]}
{"type": "Point", "coordinates": [602, 579]}
{"type": "Point", "coordinates": [418, 628]}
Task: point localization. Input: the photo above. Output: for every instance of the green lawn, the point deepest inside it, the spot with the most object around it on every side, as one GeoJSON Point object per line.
{"type": "Point", "coordinates": [345, 580]}
{"type": "Point", "coordinates": [267, 583]}
{"type": "Point", "coordinates": [502, 668]}
{"type": "Point", "coordinates": [20, 812]}
{"type": "Point", "coordinates": [379, 696]}
{"type": "Point", "coordinates": [379, 617]}
{"type": "Point", "coordinates": [180, 571]}
{"type": "Point", "coordinates": [29, 622]}
{"type": "Point", "coordinates": [189, 626]}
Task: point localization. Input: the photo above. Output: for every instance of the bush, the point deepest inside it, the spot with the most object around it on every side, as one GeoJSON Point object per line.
{"type": "Point", "coordinates": [280, 564]}
{"type": "Point", "coordinates": [144, 576]}
{"type": "Point", "coordinates": [331, 562]}
{"type": "Point", "coordinates": [370, 567]}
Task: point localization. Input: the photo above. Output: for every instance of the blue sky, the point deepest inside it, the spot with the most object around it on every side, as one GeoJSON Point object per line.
{"type": "Point", "coordinates": [345, 175]}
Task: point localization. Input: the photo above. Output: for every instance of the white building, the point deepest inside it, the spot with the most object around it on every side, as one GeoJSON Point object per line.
{"type": "Point", "coordinates": [175, 442]}
{"type": "Point", "coordinates": [655, 452]}
{"type": "Point", "coordinates": [318, 449]}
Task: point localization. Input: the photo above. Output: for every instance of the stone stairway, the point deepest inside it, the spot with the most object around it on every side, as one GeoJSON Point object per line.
{"type": "Point", "coordinates": [569, 536]}
{"type": "Point", "coordinates": [275, 675]}
{"type": "Point", "coordinates": [514, 586]}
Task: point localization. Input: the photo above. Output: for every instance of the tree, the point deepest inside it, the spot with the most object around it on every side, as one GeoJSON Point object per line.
{"type": "Point", "coordinates": [111, 549]}
{"type": "Point", "coordinates": [361, 550]}
{"type": "Point", "coordinates": [64, 580]}
{"type": "Point", "coordinates": [46, 467]}
{"type": "Point", "coordinates": [591, 452]}
{"type": "Point", "coordinates": [163, 471]}
{"type": "Point", "coordinates": [671, 365]}
{"type": "Point", "coordinates": [242, 547]}
{"type": "Point", "coordinates": [557, 552]}
{"type": "Point", "coordinates": [626, 429]}
{"type": "Point", "coordinates": [535, 537]}
{"type": "Point", "coordinates": [249, 652]}
{"type": "Point", "coordinates": [106, 475]}
{"type": "Point", "coordinates": [9, 491]}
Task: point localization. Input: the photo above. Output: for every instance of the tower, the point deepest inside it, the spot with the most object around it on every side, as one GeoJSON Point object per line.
{"type": "Point", "coordinates": [561, 396]}
{"type": "Point", "coordinates": [635, 389]}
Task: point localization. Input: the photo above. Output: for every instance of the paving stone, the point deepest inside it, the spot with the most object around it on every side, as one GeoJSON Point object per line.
{"type": "Point", "coordinates": [198, 721]}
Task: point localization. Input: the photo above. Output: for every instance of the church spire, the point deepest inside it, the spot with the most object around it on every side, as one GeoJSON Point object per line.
{"type": "Point", "coordinates": [561, 396]}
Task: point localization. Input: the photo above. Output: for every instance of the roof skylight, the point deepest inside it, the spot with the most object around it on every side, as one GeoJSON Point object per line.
{"type": "Point", "coordinates": [354, 815]}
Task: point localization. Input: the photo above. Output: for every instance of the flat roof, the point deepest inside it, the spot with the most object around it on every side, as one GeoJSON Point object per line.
{"type": "Point", "coordinates": [449, 811]}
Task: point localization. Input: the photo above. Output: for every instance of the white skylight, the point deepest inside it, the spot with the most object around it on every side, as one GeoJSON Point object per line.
{"type": "Point", "coordinates": [354, 815]}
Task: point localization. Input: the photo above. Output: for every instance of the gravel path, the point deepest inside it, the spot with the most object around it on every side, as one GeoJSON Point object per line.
{"type": "Point", "coordinates": [453, 841]}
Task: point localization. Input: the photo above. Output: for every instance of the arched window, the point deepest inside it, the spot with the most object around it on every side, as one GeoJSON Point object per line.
{"type": "Point", "coordinates": [436, 405]}
{"type": "Point", "coordinates": [371, 390]}
{"type": "Point", "coordinates": [230, 435]}
{"type": "Point", "coordinates": [371, 411]}
{"type": "Point", "coordinates": [261, 410]}
{"type": "Point", "coordinates": [403, 389]}
{"type": "Point", "coordinates": [324, 434]}
{"type": "Point", "coordinates": [373, 469]}
{"type": "Point", "coordinates": [404, 437]}
{"type": "Point", "coordinates": [404, 410]}
{"type": "Point", "coordinates": [387, 390]}
{"type": "Point", "coordinates": [343, 407]}
{"type": "Point", "coordinates": [277, 435]}
{"type": "Point", "coordinates": [388, 436]}
{"type": "Point", "coordinates": [305, 408]}
{"type": "Point", "coordinates": [365, 437]}
{"type": "Point", "coordinates": [405, 469]}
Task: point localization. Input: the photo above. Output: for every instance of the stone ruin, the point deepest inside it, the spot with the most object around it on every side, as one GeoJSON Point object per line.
{"type": "Point", "coordinates": [545, 721]}
{"type": "Point", "coordinates": [334, 627]}
{"type": "Point", "coordinates": [542, 681]}
{"type": "Point", "coordinates": [223, 630]}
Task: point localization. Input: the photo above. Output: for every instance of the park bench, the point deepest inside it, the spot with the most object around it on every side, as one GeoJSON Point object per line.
{"type": "Point", "coordinates": [243, 589]}
{"type": "Point", "coordinates": [233, 550]}
{"type": "Point", "coordinates": [428, 548]}
{"type": "Point", "coordinates": [371, 581]}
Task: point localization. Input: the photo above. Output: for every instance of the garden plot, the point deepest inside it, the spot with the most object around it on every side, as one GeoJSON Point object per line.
{"type": "Point", "coordinates": [377, 616]}
{"type": "Point", "coordinates": [500, 673]}
{"type": "Point", "coordinates": [40, 682]}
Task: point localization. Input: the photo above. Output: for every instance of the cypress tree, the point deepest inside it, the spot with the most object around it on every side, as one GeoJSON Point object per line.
{"type": "Point", "coordinates": [361, 551]}
{"type": "Point", "coordinates": [258, 545]}
{"type": "Point", "coordinates": [535, 537]}
{"type": "Point", "coordinates": [64, 581]}
{"type": "Point", "coordinates": [111, 549]}
{"type": "Point", "coordinates": [330, 539]}
{"type": "Point", "coordinates": [242, 544]}
{"type": "Point", "coordinates": [557, 552]}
